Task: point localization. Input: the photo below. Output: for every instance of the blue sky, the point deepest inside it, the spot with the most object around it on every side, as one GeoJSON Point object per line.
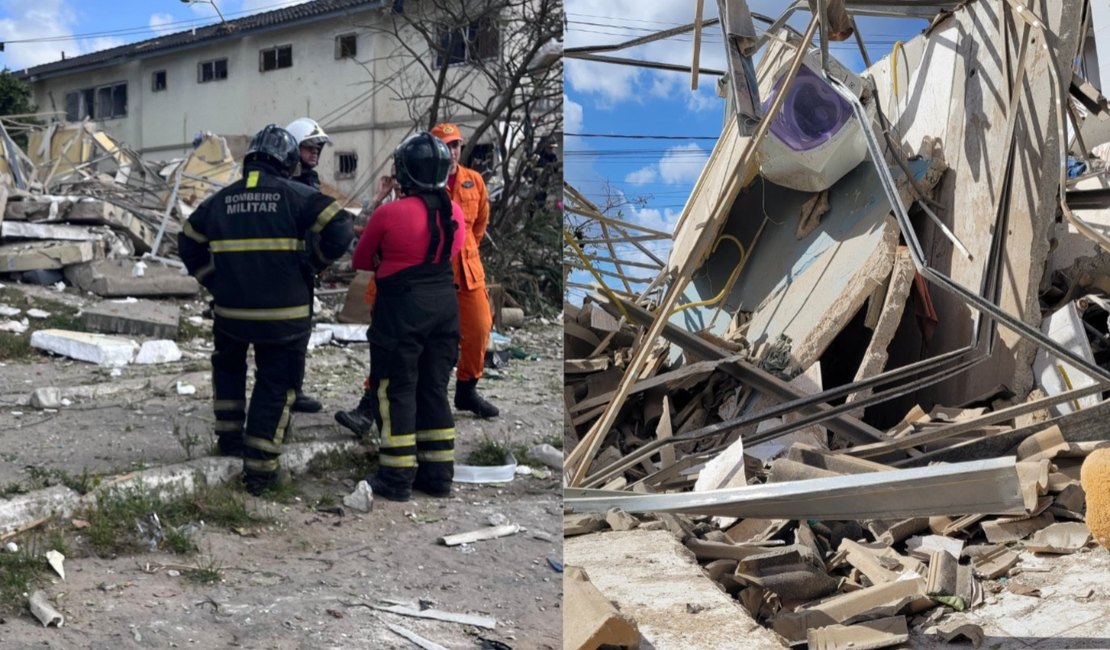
{"type": "Point", "coordinates": [607, 99]}
{"type": "Point", "coordinates": [49, 27]}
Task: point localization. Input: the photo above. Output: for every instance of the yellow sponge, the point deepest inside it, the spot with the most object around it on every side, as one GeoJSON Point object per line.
{"type": "Point", "coordinates": [1095, 477]}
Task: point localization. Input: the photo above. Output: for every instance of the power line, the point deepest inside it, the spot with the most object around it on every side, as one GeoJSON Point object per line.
{"type": "Point", "coordinates": [631, 136]}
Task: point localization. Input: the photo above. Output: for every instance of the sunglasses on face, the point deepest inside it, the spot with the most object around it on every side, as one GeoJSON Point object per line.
{"type": "Point", "coordinates": [456, 144]}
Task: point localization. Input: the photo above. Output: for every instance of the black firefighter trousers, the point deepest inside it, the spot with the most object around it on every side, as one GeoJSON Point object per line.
{"type": "Point", "coordinates": [256, 432]}
{"type": "Point", "coordinates": [414, 343]}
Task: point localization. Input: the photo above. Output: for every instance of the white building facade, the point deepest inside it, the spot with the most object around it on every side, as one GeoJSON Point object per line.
{"type": "Point", "coordinates": [319, 59]}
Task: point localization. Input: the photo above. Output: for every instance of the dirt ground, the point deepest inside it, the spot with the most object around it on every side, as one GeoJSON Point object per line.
{"type": "Point", "coordinates": [310, 579]}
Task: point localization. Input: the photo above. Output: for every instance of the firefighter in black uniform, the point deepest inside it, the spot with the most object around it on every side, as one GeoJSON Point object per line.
{"type": "Point", "coordinates": [246, 245]}
{"type": "Point", "coordinates": [414, 335]}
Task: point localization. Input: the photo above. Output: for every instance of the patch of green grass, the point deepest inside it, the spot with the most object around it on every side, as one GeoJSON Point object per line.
{"type": "Point", "coordinates": [20, 573]}
{"type": "Point", "coordinates": [17, 347]}
{"type": "Point", "coordinates": [284, 492]}
{"type": "Point", "coordinates": [43, 477]}
{"type": "Point", "coordinates": [489, 453]}
{"type": "Point", "coordinates": [11, 489]}
{"type": "Point", "coordinates": [553, 439]}
{"type": "Point", "coordinates": [187, 331]}
{"type": "Point", "coordinates": [114, 520]}
{"type": "Point", "coordinates": [209, 572]}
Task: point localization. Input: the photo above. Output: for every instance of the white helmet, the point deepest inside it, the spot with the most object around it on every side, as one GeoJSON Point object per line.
{"type": "Point", "coordinates": [307, 131]}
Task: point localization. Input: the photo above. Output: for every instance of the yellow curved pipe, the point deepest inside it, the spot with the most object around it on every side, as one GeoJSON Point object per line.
{"type": "Point", "coordinates": [731, 278]}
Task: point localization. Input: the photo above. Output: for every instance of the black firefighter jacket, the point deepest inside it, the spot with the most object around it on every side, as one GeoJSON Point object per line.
{"type": "Point", "coordinates": [255, 245]}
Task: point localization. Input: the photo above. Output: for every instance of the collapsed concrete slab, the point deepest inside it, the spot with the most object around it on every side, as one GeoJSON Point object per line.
{"type": "Point", "coordinates": [101, 212]}
{"type": "Point", "coordinates": [656, 582]}
{"type": "Point", "coordinates": [117, 278]}
{"type": "Point", "coordinates": [135, 317]}
{"type": "Point", "coordinates": [47, 255]}
{"type": "Point", "coordinates": [94, 348]}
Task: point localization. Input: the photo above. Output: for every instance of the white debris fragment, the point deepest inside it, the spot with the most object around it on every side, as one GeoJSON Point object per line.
{"type": "Point", "coordinates": [66, 401]}
{"type": "Point", "coordinates": [185, 388]}
{"type": "Point", "coordinates": [319, 337]}
{"type": "Point", "coordinates": [196, 320]}
{"type": "Point", "coordinates": [44, 611]}
{"type": "Point", "coordinates": [346, 332]}
{"type": "Point", "coordinates": [14, 326]}
{"type": "Point", "coordinates": [38, 313]}
{"type": "Point", "coordinates": [547, 455]}
{"type": "Point", "coordinates": [362, 499]}
{"type": "Point", "coordinates": [46, 397]}
{"type": "Point", "coordinates": [59, 286]}
{"type": "Point", "coordinates": [12, 547]}
{"type": "Point", "coordinates": [116, 372]}
{"type": "Point", "coordinates": [57, 562]}
{"type": "Point", "coordinates": [126, 301]}
{"type": "Point", "coordinates": [160, 351]}
{"type": "Point", "coordinates": [7, 311]}
{"type": "Point", "coordinates": [94, 348]}
{"type": "Point", "coordinates": [138, 270]}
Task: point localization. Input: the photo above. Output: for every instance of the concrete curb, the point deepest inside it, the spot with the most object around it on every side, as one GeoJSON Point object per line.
{"type": "Point", "coordinates": [169, 480]}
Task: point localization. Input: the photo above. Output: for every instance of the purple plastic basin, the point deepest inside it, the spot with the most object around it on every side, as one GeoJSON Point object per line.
{"type": "Point", "coordinates": [811, 114]}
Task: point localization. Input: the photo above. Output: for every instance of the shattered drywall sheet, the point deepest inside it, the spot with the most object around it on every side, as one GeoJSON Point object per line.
{"type": "Point", "coordinates": [952, 89]}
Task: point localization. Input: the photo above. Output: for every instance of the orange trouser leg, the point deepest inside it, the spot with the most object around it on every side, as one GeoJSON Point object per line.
{"type": "Point", "coordinates": [475, 323]}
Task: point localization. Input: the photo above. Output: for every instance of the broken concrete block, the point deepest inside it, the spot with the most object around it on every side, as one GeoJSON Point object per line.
{"type": "Point", "coordinates": [161, 351]}
{"type": "Point", "coordinates": [620, 520]}
{"type": "Point", "coordinates": [93, 348]}
{"type": "Point", "coordinates": [878, 562]}
{"type": "Point", "coordinates": [880, 633]}
{"type": "Point", "coordinates": [58, 231]}
{"type": "Point", "coordinates": [101, 212]}
{"type": "Point", "coordinates": [941, 580]}
{"type": "Point", "coordinates": [1063, 538]}
{"type": "Point", "coordinates": [47, 255]}
{"type": "Point", "coordinates": [991, 562]}
{"type": "Point", "coordinates": [922, 547]}
{"type": "Point", "coordinates": [319, 337]}
{"type": "Point", "coordinates": [1011, 530]}
{"type": "Point", "coordinates": [46, 397]}
{"type": "Point", "coordinates": [362, 499]}
{"type": "Point", "coordinates": [115, 278]}
{"type": "Point", "coordinates": [590, 620]}
{"type": "Point", "coordinates": [795, 573]}
{"type": "Point", "coordinates": [872, 602]}
{"type": "Point", "coordinates": [581, 524]}
{"type": "Point", "coordinates": [136, 317]}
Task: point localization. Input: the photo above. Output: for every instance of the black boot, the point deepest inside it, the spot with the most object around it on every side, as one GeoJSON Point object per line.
{"type": "Point", "coordinates": [434, 479]}
{"type": "Point", "coordinates": [392, 483]}
{"type": "Point", "coordinates": [258, 482]}
{"type": "Point", "coordinates": [305, 404]}
{"type": "Point", "coordinates": [359, 420]}
{"type": "Point", "coordinates": [468, 399]}
{"type": "Point", "coordinates": [230, 445]}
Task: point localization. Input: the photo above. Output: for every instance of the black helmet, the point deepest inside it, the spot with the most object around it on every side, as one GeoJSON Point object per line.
{"type": "Point", "coordinates": [422, 162]}
{"type": "Point", "coordinates": [276, 146]}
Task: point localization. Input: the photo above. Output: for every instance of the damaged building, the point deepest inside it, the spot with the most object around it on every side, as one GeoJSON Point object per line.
{"type": "Point", "coordinates": [860, 391]}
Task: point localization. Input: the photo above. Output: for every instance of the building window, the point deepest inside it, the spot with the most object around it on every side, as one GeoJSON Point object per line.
{"type": "Point", "coordinates": [211, 70]}
{"type": "Point", "coordinates": [346, 46]}
{"type": "Point", "coordinates": [477, 41]}
{"type": "Point", "coordinates": [100, 103]}
{"type": "Point", "coordinates": [347, 163]}
{"type": "Point", "coordinates": [158, 80]}
{"type": "Point", "coordinates": [275, 58]}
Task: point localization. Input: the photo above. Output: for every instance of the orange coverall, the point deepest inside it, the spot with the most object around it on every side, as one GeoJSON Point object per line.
{"type": "Point", "coordinates": [475, 317]}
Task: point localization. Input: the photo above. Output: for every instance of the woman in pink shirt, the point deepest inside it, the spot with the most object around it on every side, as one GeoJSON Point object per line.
{"type": "Point", "coordinates": [414, 337]}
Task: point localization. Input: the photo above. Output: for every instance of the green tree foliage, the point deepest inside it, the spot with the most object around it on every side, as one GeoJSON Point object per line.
{"type": "Point", "coordinates": [15, 99]}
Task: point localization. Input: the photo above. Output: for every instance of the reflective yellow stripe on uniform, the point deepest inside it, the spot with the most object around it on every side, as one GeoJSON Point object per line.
{"type": "Point", "coordinates": [262, 444]}
{"type": "Point", "coordinates": [285, 313]}
{"type": "Point", "coordinates": [283, 422]}
{"type": "Point", "coordinates": [443, 456]}
{"type": "Point", "coordinates": [402, 462]}
{"type": "Point", "coordinates": [325, 216]}
{"type": "Point", "coordinates": [252, 179]}
{"type": "Point", "coordinates": [432, 435]}
{"type": "Point", "coordinates": [233, 426]}
{"type": "Point", "coordinates": [229, 404]}
{"type": "Point", "coordinates": [257, 244]}
{"type": "Point", "coordinates": [257, 465]}
{"type": "Point", "coordinates": [193, 233]}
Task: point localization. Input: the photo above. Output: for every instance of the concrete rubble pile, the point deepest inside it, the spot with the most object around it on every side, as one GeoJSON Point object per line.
{"type": "Point", "coordinates": [859, 395]}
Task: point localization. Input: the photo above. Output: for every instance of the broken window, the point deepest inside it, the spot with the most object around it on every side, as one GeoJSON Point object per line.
{"type": "Point", "coordinates": [275, 58]}
{"type": "Point", "coordinates": [212, 70]}
{"type": "Point", "coordinates": [158, 80]}
{"type": "Point", "coordinates": [475, 42]}
{"type": "Point", "coordinates": [347, 164]}
{"type": "Point", "coordinates": [101, 103]}
{"type": "Point", "coordinates": [346, 46]}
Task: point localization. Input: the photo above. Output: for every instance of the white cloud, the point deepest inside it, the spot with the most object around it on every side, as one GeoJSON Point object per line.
{"type": "Point", "coordinates": [682, 164]}
{"type": "Point", "coordinates": [102, 43]}
{"type": "Point", "coordinates": [612, 83]}
{"type": "Point", "coordinates": [572, 115]}
{"type": "Point", "coordinates": [642, 176]}
{"type": "Point", "coordinates": [36, 19]}
{"type": "Point", "coordinates": [161, 24]}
